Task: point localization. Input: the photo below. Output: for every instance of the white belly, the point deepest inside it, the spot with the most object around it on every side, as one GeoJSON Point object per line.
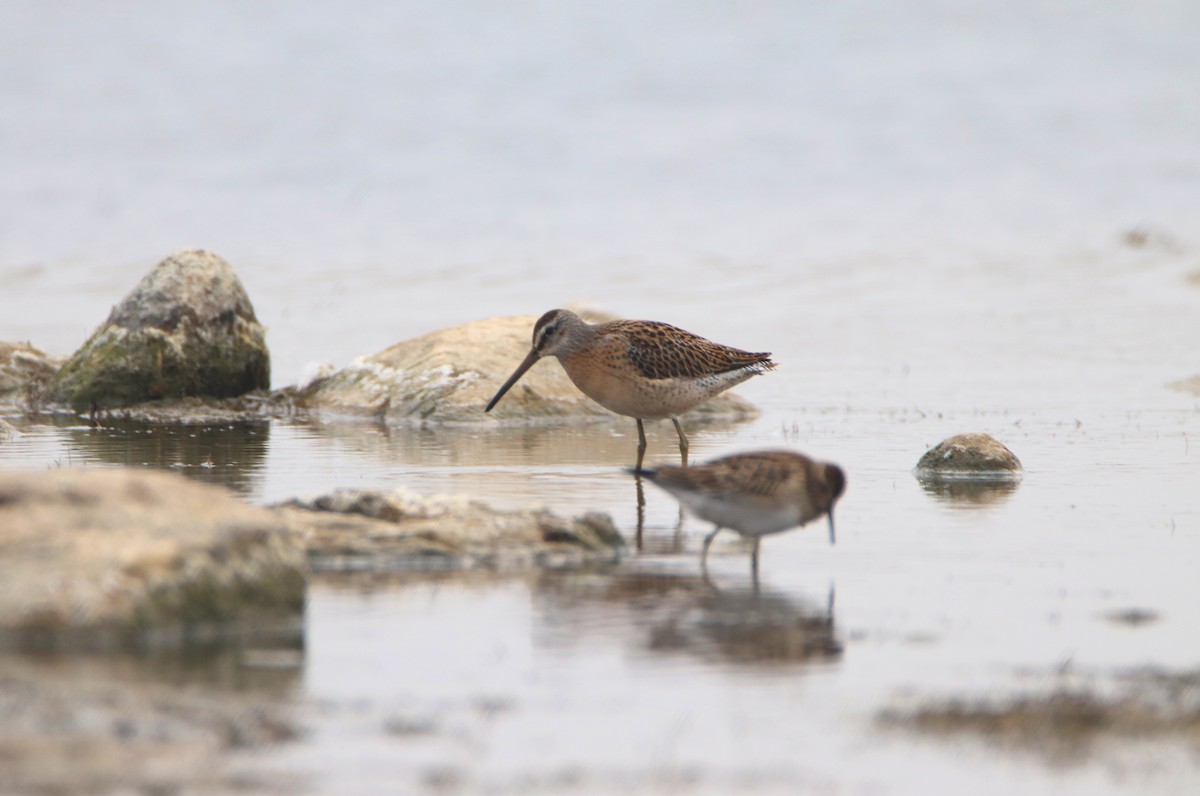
{"type": "Point", "coordinates": [747, 517]}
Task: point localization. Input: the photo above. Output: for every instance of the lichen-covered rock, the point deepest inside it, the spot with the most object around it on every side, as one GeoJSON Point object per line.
{"type": "Point", "coordinates": [131, 557]}
{"type": "Point", "coordinates": [451, 374]}
{"type": "Point", "coordinates": [187, 328]}
{"type": "Point", "coordinates": [23, 365]}
{"type": "Point", "coordinates": [364, 530]}
{"type": "Point", "coordinates": [969, 456]}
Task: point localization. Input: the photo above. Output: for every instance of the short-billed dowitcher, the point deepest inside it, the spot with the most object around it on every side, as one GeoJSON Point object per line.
{"type": "Point", "coordinates": [755, 493]}
{"type": "Point", "coordinates": [641, 369]}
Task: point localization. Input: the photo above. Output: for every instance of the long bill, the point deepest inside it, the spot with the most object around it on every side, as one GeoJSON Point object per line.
{"type": "Point", "coordinates": [832, 535]}
{"type": "Point", "coordinates": [518, 373]}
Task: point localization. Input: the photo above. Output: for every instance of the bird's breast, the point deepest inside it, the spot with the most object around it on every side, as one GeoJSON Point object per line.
{"type": "Point", "coordinates": [619, 387]}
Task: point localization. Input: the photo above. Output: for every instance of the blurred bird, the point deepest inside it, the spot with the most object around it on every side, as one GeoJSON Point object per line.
{"type": "Point", "coordinates": [755, 494]}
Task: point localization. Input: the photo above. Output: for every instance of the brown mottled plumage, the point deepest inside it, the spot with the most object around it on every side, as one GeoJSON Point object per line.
{"type": "Point", "coordinates": [755, 494]}
{"type": "Point", "coordinates": [662, 351]}
{"type": "Point", "coordinates": [641, 369]}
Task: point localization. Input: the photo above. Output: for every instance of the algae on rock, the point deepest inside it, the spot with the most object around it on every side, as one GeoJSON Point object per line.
{"type": "Point", "coordinates": [23, 366]}
{"type": "Point", "coordinates": [969, 456]}
{"type": "Point", "coordinates": [188, 328]}
{"type": "Point", "coordinates": [132, 557]}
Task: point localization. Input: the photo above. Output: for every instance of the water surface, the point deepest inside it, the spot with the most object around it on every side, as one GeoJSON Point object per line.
{"type": "Point", "coordinates": [922, 209]}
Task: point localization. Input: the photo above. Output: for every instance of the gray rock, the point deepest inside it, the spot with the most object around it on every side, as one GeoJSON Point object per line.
{"type": "Point", "coordinates": [353, 530]}
{"type": "Point", "coordinates": [7, 430]}
{"type": "Point", "coordinates": [22, 367]}
{"type": "Point", "coordinates": [451, 374]}
{"type": "Point", "coordinates": [251, 407]}
{"type": "Point", "coordinates": [187, 328]}
{"type": "Point", "coordinates": [969, 456]}
{"type": "Point", "coordinates": [137, 558]}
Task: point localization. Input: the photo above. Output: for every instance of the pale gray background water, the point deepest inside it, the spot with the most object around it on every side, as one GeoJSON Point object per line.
{"type": "Point", "coordinates": [920, 207]}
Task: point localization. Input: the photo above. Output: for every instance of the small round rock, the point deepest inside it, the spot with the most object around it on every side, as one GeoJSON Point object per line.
{"type": "Point", "coordinates": [969, 456]}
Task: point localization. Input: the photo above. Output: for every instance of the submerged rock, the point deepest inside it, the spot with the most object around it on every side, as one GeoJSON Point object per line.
{"type": "Point", "coordinates": [451, 374]}
{"type": "Point", "coordinates": [250, 407]}
{"type": "Point", "coordinates": [363, 530]}
{"type": "Point", "coordinates": [1069, 723]}
{"type": "Point", "coordinates": [24, 366]}
{"type": "Point", "coordinates": [187, 328]}
{"type": "Point", "coordinates": [127, 557]}
{"type": "Point", "coordinates": [1188, 385]}
{"type": "Point", "coordinates": [145, 724]}
{"type": "Point", "coordinates": [970, 456]}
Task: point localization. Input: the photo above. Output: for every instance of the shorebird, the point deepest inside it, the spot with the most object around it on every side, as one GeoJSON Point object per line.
{"type": "Point", "coordinates": [641, 369]}
{"type": "Point", "coordinates": [755, 494]}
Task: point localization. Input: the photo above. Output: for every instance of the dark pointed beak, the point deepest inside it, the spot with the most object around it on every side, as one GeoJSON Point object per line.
{"type": "Point", "coordinates": [518, 373]}
{"type": "Point", "coordinates": [832, 534]}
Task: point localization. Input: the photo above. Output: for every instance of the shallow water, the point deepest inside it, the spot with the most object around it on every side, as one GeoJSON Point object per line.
{"type": "Point", "coordinates": [920, 209]}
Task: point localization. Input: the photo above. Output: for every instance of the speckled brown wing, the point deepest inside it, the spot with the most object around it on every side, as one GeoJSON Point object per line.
{"type": "Point", "coordinates": [662, 351]}
{"type": "Point", "coordinates": [760, 474]}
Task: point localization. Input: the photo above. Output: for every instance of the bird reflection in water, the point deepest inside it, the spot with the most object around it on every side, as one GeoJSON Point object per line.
{"type": "Point", "coordinates": [674, 544]}
{"type": "Point", "coordinates": [677, 614]}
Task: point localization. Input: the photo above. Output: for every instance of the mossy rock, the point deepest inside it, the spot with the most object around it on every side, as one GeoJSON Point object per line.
{"type": "Point", "coordinates": [23, 365]}
{"type": "Point", "coordinates": [975, 456]}
{"type": "Point", "coordinates": [187, 329]}
{"type": "Point", "coordinates": [134, 558]}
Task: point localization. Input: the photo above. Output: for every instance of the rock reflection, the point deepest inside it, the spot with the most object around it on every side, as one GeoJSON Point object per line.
{"type": "Point", "coordinates": [229, 454]}
{"type": "Point", "coordinates": [970, 493]}
{"type": "Point", "coordinates": [604, 442]}
{"type": "Point", "coordinates": [89, 723]}
{"type": "Point", "coordinates": [683, 614]}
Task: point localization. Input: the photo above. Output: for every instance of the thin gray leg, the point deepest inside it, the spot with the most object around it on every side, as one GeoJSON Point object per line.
{"type": "Point", "coordinates": [754, 561]}
{"type": "Point", "coordinates": [704, 554]}
{"type": "Point", "coordinates": [641, 509]}
{"type": "Point", "coordinates": [683, 441]}
{"type": "Point", "coordinates": [641, 443]}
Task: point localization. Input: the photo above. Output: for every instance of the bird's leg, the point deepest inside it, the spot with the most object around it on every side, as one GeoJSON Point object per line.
{"type": "Point", "coordinates": [641, 507]}
{"type": "Point", "coordinates": [678, 548]}
{"type": "Point", "coordinates": [641, 443]}
{"type": "Point", "coordinates": [683, 442]}
{"type": "Point", "coordinates": [704, 554]}
{"type": "Point", "coordinates": [754, 562]}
